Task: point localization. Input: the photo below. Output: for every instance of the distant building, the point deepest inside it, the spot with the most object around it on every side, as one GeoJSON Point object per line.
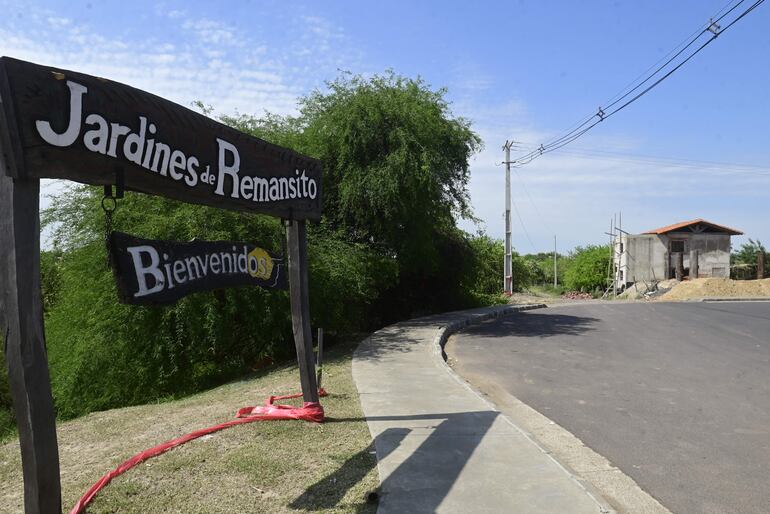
{"type": "Point", "coordinates": [653, 255]}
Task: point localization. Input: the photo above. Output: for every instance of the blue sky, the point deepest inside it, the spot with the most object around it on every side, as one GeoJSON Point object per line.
{"type": "Point", "coordinates": [526, 70]}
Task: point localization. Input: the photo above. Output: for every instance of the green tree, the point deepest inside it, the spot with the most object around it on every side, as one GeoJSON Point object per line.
{"type": "Point", "coordinates": [587, 269]}
{"type": "Point", "coordinates": [396, 161]}
{"type": "Point", "coordinates": [541, 267]}
{"type": "Point", "coordinates": [487, 276]}
{"type": "Point", "coordinates": [744, 261]}
{"type": "Point", "coordinates": [395, 180]}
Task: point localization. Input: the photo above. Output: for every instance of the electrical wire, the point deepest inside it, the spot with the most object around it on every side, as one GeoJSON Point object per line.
{"type": "Point", "coordinates": [537, 210]}
{"type": "Point", "coordinates": [700, 166]}
{"type": "Point", "coordinates": [521, 222]}
{"type": "Point", "coordinates": [588, 124]}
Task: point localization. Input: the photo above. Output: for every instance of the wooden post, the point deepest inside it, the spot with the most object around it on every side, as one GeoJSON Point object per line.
{"type": "Point", "coordinates": [693, 264]}
{"type": "Point", "coordinates": [296, 235]}
{"type": "Point", "coordinates": [760, 265]}
{"type": "Point", "coordinates": [679, 265]}
{"type": "Point", "coordinates": [320, 358]}
{"type": "Point", "coordinates": [25, 352]}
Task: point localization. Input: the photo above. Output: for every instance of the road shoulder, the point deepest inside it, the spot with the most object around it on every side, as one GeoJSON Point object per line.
{"type": "Point", "coordinates": [617, 488]}
{"type": "Point", "coordinates": [440, 446]}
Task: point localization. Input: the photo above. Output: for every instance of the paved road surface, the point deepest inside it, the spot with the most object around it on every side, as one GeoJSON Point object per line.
{"type": "Point", "coordinates": [677, 395]}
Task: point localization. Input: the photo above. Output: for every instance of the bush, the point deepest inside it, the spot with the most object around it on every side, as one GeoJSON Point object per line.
{"type": "Point", "coordinates": [588, 267]}
{"type": "Point", "coordinates": [487, 274]}
{"type": "Point", "coordinates": [395, 179]}
{"type": "Point", "coordinates": [745, 261]}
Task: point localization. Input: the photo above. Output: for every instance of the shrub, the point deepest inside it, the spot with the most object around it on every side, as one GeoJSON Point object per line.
{"type": "Point", "coordinates": [395, 179]}
{"type": "Point", "coordinates": [588, 267]}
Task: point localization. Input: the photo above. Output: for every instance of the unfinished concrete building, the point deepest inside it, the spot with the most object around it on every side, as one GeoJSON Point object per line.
{"type": "Point", "coordinates": [696, 246]}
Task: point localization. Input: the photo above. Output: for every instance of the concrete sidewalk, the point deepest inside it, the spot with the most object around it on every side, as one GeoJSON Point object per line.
{"type": "Point", "coordinates": [440, 446]}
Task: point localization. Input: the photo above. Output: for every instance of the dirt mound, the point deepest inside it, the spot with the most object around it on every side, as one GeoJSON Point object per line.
{"type": "Point", "coordinates": [718, 288]}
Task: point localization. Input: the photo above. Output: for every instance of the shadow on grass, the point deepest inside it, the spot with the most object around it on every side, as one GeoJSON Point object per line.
{"type": "Point", "coordinates": [329, 491]}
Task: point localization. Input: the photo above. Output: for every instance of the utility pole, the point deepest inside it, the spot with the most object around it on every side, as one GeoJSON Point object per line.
{"type": "Point", "coordinates": [507, 267]}
{"type": "Point", "coordinates": [554, 263]}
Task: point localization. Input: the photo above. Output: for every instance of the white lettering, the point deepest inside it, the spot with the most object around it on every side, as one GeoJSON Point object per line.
{"type": "Point", "coordinates": [73, 128]}
{"type": "Point", "coordinates": [165, 151]}
{"type": "Point", "coordinates": [117, 131]}
{"type": "Point", "coordinates": [247, 186]}
{"type": "Point", "coordinates": [179, 272]}
{"type": "Point", "coordinates": [142, 271]}
{"type": "Point", "coordinates": [204, 263]}
{"type": "Point", "coordinates": [178, 160]}
{"type": "Point", "coordinates": [192, 172]}
{"type": "Point", "coordinates": [261, 187]}
{"type": "Point", "coordinates": [96, 139]}
{"type": "Point", "coordinates": [303, 178]}
{"type": "Point", "coordinates": [274, 189]}
{"type": "Point", "coordinates": [133, 146]}
{"type": "Point", "coordinates": [192, 265]}
{"type": "Point", "coordinates": [225, 169]}
{"type": "Point", "coordinates": [243, 258]}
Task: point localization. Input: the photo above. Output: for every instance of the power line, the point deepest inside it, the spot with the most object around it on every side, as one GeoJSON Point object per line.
{"type": "Point", "coordinates": [521, 222]}
{"type": "Point", "coordinates": [713, 28]}
{"type": "Point", "coordinates": [701, 166]}
{"type": "Point", "coordinates": [524, 187]}
{"type": "Point", "coordinates": [623, 93]}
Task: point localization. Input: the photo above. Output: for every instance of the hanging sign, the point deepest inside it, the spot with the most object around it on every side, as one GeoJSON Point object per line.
{"type": "Point", "coordinates": [56, 123]}
{"type": "Point", "coordinates": [160, 272]}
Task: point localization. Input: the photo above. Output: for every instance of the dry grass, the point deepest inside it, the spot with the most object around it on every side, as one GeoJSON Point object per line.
{"type": "Point", "coordinates": [273, 466]}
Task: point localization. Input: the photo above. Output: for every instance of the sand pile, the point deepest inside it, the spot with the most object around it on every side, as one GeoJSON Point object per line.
{"type": "Point", "coordinates": [718, 288]}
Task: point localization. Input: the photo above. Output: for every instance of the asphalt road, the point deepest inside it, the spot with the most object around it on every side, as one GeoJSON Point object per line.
{"type": "Point", "coordinates": [677, 395]}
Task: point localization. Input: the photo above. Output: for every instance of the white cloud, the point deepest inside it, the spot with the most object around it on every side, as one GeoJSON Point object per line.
{"type": "Point", "coordinates": [194, 59]}
{"type": "Point", "coordinates": [573, 193]}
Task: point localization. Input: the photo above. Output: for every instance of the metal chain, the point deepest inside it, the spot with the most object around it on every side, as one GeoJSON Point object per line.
{"type": "Point", "coordinates": [109, 204]}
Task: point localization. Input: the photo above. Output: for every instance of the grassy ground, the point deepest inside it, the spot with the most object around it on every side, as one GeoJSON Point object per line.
{"type": "Point", "coordinates": [271, 466]}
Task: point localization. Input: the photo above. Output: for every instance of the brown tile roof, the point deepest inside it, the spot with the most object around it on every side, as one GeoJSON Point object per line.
{"type": "Point", "coordinates": [677, 226]}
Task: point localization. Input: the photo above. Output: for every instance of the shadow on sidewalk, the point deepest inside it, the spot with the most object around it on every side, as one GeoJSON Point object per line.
{"type": "Point", "coordinates": [437, 447]}
{"type": "Point", "coordinates": [435, 460]}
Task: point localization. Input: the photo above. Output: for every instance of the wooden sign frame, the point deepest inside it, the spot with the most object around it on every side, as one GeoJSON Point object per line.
{"type": "Point", "coordinates": [40, 107]}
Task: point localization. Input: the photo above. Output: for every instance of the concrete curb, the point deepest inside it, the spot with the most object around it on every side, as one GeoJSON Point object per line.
{"type": "Point", "coordinates": [561, 446]}
{"type": "Point", "coordinates": [432, 456]}
{"type": "Point", "coordinates": [439, 342]}
{"type": "Point", "coordinates": [728, 299]}
{"type": "Point", "coordinates": [447, 330]}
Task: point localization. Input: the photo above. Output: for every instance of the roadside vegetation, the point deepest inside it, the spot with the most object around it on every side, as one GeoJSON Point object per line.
{"type": "Point", "coordinates": [583, 269]}
{"type": "Point", "coordinates": [743, 261]}
{"type": "Point", "coordinates": [388, 248]}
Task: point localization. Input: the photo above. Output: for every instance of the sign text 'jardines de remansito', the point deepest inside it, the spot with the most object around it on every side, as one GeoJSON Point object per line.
{"type": "Point", "coordinates": [67, 124]}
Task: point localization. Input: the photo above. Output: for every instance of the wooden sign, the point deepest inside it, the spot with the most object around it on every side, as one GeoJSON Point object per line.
{"type": "Point", "coordinates": [56, 123]}
{"type": "Point", "coordinates": [159, 272]}
{"type": "Point", "coordinates": [61, 124]}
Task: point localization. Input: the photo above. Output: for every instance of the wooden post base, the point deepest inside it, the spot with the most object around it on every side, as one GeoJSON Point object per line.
{"type": "Point", "coordinates": [25, 353]}
{"type": "Point", "coordinates": [296, 235]}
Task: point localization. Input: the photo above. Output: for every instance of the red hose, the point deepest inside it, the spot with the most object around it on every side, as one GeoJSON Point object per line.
{"type": "Point", "coordinates": [310, 411]}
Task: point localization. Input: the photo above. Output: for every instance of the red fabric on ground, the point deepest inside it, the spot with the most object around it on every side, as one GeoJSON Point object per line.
{"type": "Point", "coordinates": [310, 411]}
